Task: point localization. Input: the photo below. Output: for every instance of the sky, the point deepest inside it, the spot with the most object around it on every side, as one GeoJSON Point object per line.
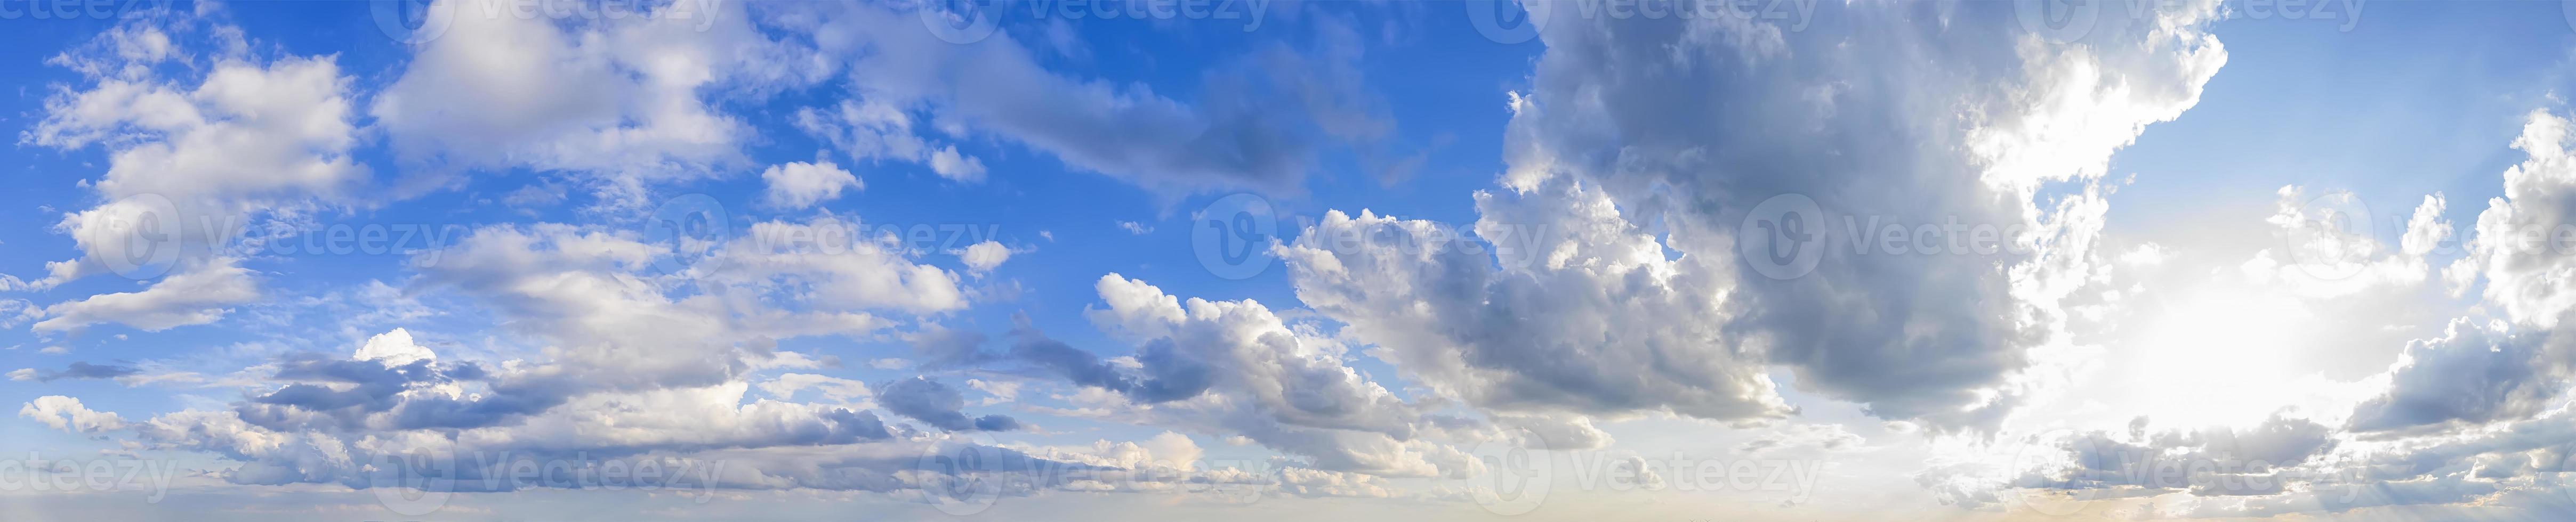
{"type": "Point", "coordinates": [1764, 260]}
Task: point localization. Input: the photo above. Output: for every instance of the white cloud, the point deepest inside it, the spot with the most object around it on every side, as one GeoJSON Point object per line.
{"type": "Point", "coordinates": [1236, 367]}
{"type": "Point", "coordinates": [787, 385]}
{"type": "Point", "coordinates": [196, 297]}
{"type": "Point", "coordinates": [797, 185]}
{"type": "Point", "coordinates": [2522, 272]}
{"type": "Point", "coordinates": [497, 89]}
{"type": "Point", "coordinates": [189, 166]}
{"type": "Point", "coordinates": [949, 164]}
{"type": "Point", "coordinates": [68, 414]}
{"type": "Point", "coordinates": [2329, 257]}
{"type": "Point", "coordinates": [394, 348]}
{"type": "Point", "coordinates": [982, 257]}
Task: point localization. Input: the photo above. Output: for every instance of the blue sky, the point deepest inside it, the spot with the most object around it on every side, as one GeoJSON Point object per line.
{"type": "Point", "coordinates": [1557, 260]}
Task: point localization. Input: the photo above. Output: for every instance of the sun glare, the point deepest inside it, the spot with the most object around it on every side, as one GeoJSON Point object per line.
{"type": "Point", "coordinates": [2207, 359]}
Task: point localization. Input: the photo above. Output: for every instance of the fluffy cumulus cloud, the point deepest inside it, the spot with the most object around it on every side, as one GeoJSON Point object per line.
{"type": "Point", "coordinates": [982, 257]}
{"type": "Point", "coordinates": [68, 414]}
{"type": "Point", "coordinates": [800, 185]}
{"type": "Point", "coordinates": [2513, 250]}
{"type": "Point", "coordinates": [1611, 249]}
{"type": "Point", "coordinates": [488, 92]}
{"type": "Point", "coordinates": [200, 147]}
{"type": "Point", "coordinates": [2472, 375]}
{"type": "Point", "coordinates": [1237, 368]}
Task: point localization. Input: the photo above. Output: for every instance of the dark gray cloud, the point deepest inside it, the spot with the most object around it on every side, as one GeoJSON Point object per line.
{"type": "Point", "coordinates": [2471, 375]}
{"type": "Point", "coordinates": [376, 387]}
{"type": "Point", "coordinates": [2206, 462]}
{"type": "Point", "coordinates": [928, 401]}
{"type": "Point", "coordinates": [1167, 374]}
{"type": "Point", "coordinates": [85, 370]}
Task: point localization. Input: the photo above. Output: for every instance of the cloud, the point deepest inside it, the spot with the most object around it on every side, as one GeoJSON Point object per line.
{"type": "Point", "coordinates": [77, 370]}
{"type": "Point", "coordinates": [489, 93]}
{"type": "Point", "coordinates": [1260, 122]}
{"type": "Point", "coordinates": [787, 385]}
{"type": "Point", "coordinates": [796, 185]}
{"type": "Point", "coordinates": [196, 154]}
{"type": "Point", "coordinates": [2472, 375]}
{"type": "Point", "coordinates": [199, 296]}
{"type": "Point", "coordinates": [68, 414]}
{"type": "Point", "coordinates": [982, 257]}
{"type": "Point", "coordinates": [2327, 260]}
{"type": "Point", "coordinates": [2256, 462]}
{"type": "Point", "coordinates": [2537, 196]}
{"type": "Point", "coordinates": [930, 402]}
{"type": "Point", "coordinates": [961, 168]}
{"type": "Point", "coordinates": [1642, 139]}
{"type": "Point", "coordinates": [1236, 367]}
{"type": "Point", "coordinates": [394, 348]}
